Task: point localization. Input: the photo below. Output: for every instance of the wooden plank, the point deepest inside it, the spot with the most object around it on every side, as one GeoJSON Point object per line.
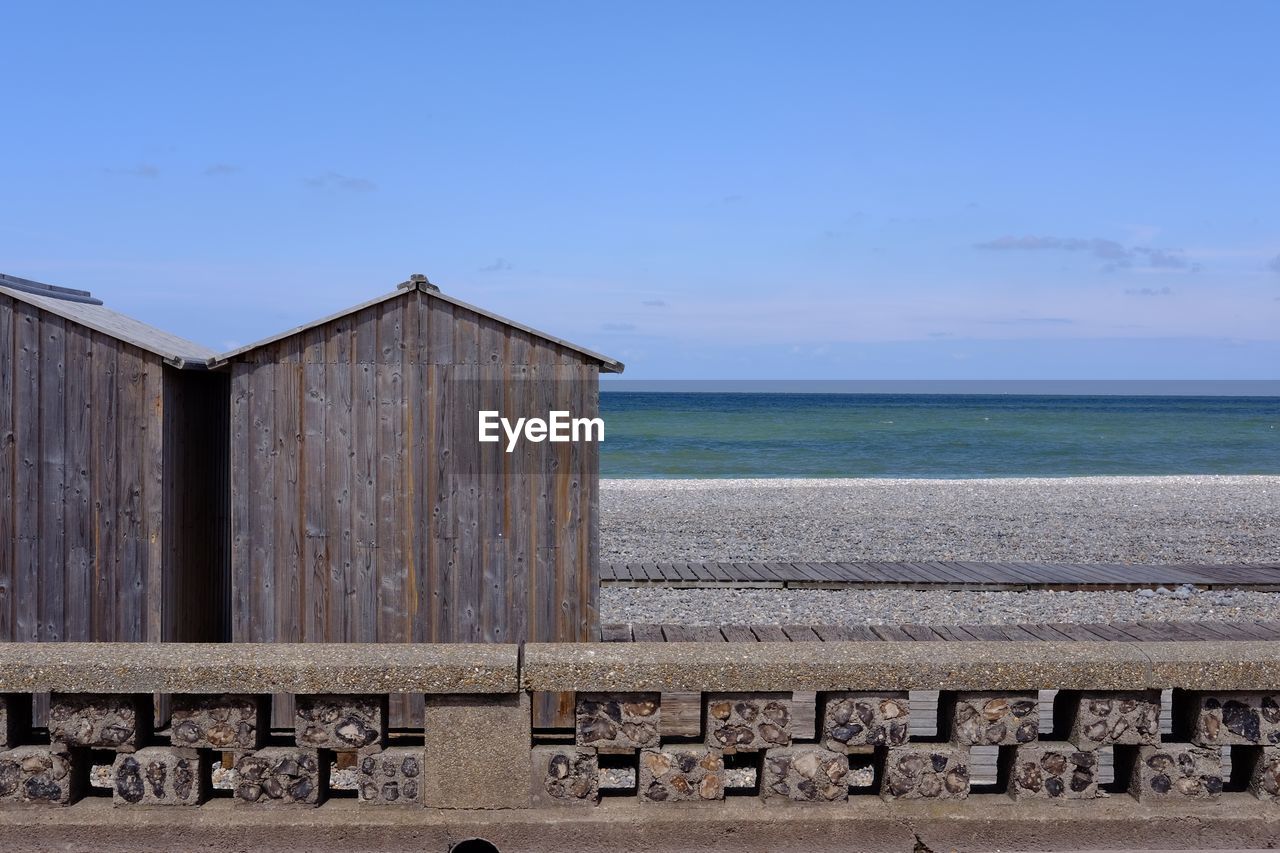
{"type": "Point", "coordinates": [1138, 632]}
{"type": "Point", "coordinates": [288, 566]}
{"type": "Point", "coordinates": [615, 633]}
{"type": "Point", "coordinates": [1252, 630]}
{"type": "Point", "coordinates": [1044, 632]}
{"type": "Point", "coordinates": [985, 632]}
{"type": "Point", "coordinates": [832, 633]}
{"type": "Point", "coordinates": [1270, 629]}
{"type": "Point", "coordinates": [519, 482]}
{"type": "Point", "coordinates": [104, 487]}
{"type": "Point", "coordinates": [27, 469]}
{"type": "Point", "coordinates": [769, 633]}
{"type": "Point", "coordinates": [339, 472]}
{"type": "Point", "coordinates": [1111, 633]}
{"type": "Point", "coordinates": [951, 633]}
{"type": "Point", "coordinates": [891, 632]}
{"type": "Point", "coordinates": [740, 572]}
{"type": "Point", "coordinates": [1014, 632]}
{"type": "Point", "coordinates": [677, 634]}
{"type": "Point", "coordinates": [924, 573]}
{"type": "Point", "coordinates": [1074, 631]}
{"type": "Point", "coordinates": [461, 467]}
{"type": "Point", "coordinates": [962, 572]}
{"type": "Point", "coordinates": [858, 572]}
{"type": "Point", "coordinates": [1167, 630]}
{"type": "Point", "coordinates": [825, 572]}
{"type": "Point", "coordinates": [1202, 631]}
{"type": "Point", "coordinates": [591, 498]}
{"type": "Point", "coordinates": [985, 573]}
{"type": "Point", "coordinates": [364, 498]}
{"type": "Point", "coordinates": [159, 591]}
{"type": "Point", "coordinates": [923, 633]}
{"type": "Point", "coordinates": [804, 712]}
{"type": "Point", "coordinates": [8, 468]}
{"type": "Point", "coordinates": [493, 613]}
{"type": "Point", "coordinates": [856, 633]}
{"type": "Point", "coordinates": [648, 634]}
{"type": "Point", "coordinates": [317, 589]}
{"type": "Point", "coordinates": [681, 715]}
{"type": "Point", "coordinates": [804, 572]}
{"type": "Point", "coordinates": [687, 573]}
{"type": "Point", "coordinates": [392, 569]}
{"type": "Point", "coordinates": [737, 634]}
{"type": "Point", "coordinates": [132, 547]}
{"type": "Point", "coordinates": [1231, 631]}
{"type": "Point", "coordinates": [242, 517]}
{"type": "Point", "coordinates": [801, 634]}
{"type": "Point", "coordinates": [51, 578]}
{"type": "Point", "coordinates": [416, 468]}
{"type": "Point", "coordinates": [262, 477]}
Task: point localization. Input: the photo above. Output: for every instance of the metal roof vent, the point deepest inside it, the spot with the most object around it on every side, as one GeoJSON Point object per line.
{"type": "Point", "coordinates": [50, 291]}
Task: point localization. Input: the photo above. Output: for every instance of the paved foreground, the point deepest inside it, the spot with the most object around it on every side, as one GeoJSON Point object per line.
{"type": "Point", "coordinates": [988, 822]}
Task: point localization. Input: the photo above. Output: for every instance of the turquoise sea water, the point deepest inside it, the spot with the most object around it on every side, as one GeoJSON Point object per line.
{"type": "Point", "coordinates": [691, 434]}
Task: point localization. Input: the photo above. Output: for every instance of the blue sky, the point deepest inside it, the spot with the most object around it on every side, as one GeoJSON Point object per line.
{"type": "Point", "coordinates": [703, 190]}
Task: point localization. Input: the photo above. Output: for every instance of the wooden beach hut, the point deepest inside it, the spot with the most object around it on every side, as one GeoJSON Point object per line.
{"type": "Point", "coordinates": [112, 475]}
{"type": "Point", "coordinates": [363, 506]}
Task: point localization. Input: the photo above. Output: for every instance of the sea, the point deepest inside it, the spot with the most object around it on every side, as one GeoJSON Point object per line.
{"type": "Point", "coordinates": [776, 433]}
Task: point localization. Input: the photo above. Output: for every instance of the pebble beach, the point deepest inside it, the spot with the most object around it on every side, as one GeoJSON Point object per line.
{"type": "Point", "coordinates": [1139, 520]}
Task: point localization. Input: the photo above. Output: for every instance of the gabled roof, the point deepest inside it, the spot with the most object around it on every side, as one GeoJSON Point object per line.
{"type": "Point", "coordinates": [79, 306]}
{"type": "Point", "coordinates": [420, 283]}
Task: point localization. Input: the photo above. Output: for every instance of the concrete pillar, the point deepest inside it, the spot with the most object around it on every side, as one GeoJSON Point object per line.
{"type": "Point", "coordinates": [478, 751]}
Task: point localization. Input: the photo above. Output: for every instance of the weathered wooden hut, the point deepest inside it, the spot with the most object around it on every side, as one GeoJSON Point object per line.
{"type": "Point", "coordinates": [112, 475]}
{"type": "Point", "coordinates": [363, 506]}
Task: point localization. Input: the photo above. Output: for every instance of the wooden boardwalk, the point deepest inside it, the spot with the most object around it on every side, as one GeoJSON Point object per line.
{"type": "Point", "coordinates": [940, 575]}
{"type": "Point", "coordinates": [1123, 632]}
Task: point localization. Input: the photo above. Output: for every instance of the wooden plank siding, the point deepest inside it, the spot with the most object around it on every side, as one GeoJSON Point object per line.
{"type": "Point", "coordinates": [111, 482]}
{"type": "Point", "coordinates": [385, 519]}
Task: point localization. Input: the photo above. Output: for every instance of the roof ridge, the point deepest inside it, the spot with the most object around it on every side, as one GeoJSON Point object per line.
{"type": "Point", "coordinates": [420, 283]}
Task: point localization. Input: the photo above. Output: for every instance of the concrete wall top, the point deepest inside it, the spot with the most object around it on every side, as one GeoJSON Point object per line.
{"type": "Point", "coordinates": [461, 668]}
{"type": "Point", "coordinates": [901, 666]}
{"type": "Point", "coordinates": [258, 668]}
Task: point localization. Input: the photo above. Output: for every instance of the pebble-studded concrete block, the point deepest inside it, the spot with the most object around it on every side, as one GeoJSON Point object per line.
{"type": "Point", "coordinates": [744, 722]}
{"type": "Point", "coordinates": [681, 774]}
{"type": "Point", "coordinates": [15, 717]}
{"type": "Point", "coordinates": [565, 775]}
{"type": "Point", "coordinates": [1236, 718]}
{"type": "Point", "coordinates": [851, 720]}
{"type": "Point", "coordinates": [52, 775]}
{"type": "Point", "coordinates": [805, 774]}
{"type": "Point", "coordinates": [618, 722]}
{"type": "Point", "coordinates": [160, 776]}
{"type": "Point", "coordinates": [926, 771]}
{"type": "Point", "coordinates": [118, 721]}
{"type": "Point", "coordinates": [391, 777]}
{"type": "Point", "coordinates": [281, 776]}
{"type": "Point", "coordinates": [229, 722]}
{"type": "Point", "coordinates": [1053, 770]}
{"type": "Point", "coordinates": [1264, 782]}
{"type": "Point", "coordinates": [330, 721]}
{"type": "Point", "coordinates": [1101, 719]}
{"type": "Point", "coordinates": [994, 719]}
{"type": "Point", "coordinates": [1176, 771]}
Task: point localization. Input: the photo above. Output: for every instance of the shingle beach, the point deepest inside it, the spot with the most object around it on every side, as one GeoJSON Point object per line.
{"type": "Point", "coordinates": [1182, 519]}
